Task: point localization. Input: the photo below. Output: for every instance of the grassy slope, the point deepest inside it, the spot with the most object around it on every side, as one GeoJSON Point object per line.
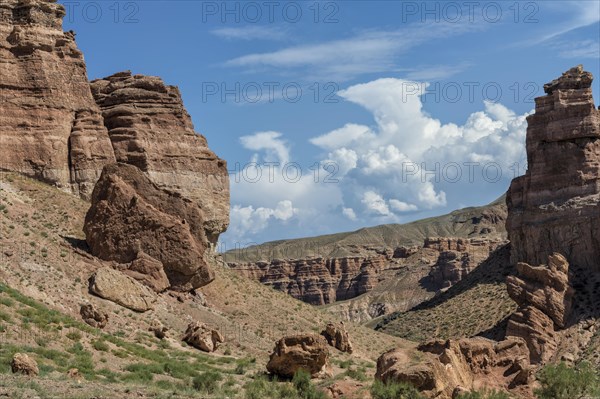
{"type": "Point", "coordinates": [43, 260]}
{"type": "Point", "coordinates": [476, 305]}
{"type": "Point", "coordinates": [460, 223]}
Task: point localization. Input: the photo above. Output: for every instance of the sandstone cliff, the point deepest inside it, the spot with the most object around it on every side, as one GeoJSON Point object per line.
{"type": "Point", "coordinates": [50, 126]}
{"type": "Point", "coordinates": [319, 281]}
{"type": "Point", "coordinates": [53, 129]}
{"type": "Point", "coordinates": [439, 263]}
{"type": "Point", "coordinates": [554, 207]}
{"type": "Point", "coordinates": [150, 128]}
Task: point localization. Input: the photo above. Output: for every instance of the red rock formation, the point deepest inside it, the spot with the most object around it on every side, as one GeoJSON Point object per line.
{"type": "Point", "coordinates": [545, 299]}
{"type": "Point", "coordinates": [337, 336]}
{"type": "Point", "coordinates": [319, 281]}
{"type": "Point", "coordinates": [554, 207]}
{"type": "Point", "coordinates": [202, 337]}
{"type": "Point", "coordinates": [458, 257]}
{"type": "Point", "coordinates": [150, 128]}
{"type": "Point", "coordinates": [131, 218]}
{"type": "Point", "coordinates": [50, 126]}
{"type": "Point", "coordinates": [299, 352]}
{"type": "Point", "coordinates": [469, 363]}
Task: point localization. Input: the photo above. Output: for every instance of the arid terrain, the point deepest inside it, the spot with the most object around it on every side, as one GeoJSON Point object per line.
{"type": "Point", "coordinates": [111, 286]}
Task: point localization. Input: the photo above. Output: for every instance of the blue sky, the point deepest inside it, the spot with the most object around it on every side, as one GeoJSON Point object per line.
{"type": "Point", "coordinates": [357, 112]}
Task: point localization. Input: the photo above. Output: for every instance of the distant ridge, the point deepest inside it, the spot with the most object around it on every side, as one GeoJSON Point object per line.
{"type": "Point", "coordinates": [487, 220]}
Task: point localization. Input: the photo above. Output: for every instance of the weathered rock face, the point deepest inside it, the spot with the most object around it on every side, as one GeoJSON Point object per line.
{"type": "Point", "coordinates": [149, 272]}
{"type": "Point", "coordinates": [554, 207]}
{"type": "Point", "coordinates": [150, 128]}
{"type": "Point", "coordinates": [466, 364]}
{"type": "Point", "coordinates": [319, 281]}
{"type": "Point", "coordinates": [113, 285]}
{"type": "Point", "coordinates": [50, 126]}
{"type": "Point", "coordinates": [130, 215]}
{"type": "Point", "coordinates": [202, 337]}
{"type": "Point", "coordinates": [458, 257]}
{"type": "Point", "coordinates": [93, 316]}
{"type": "Point", "coordinates": [306, 352]}
{"type": "Point", "coordinates": [23, 364]}
{"type": "Point", "coordinates": [337, 336]}
{"type": "Point", "coordinates": [545, 298]}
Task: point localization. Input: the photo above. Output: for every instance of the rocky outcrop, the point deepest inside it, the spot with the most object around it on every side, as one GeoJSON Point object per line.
{"type": "Point", "coordinates": [470, 363]}
{"type": "Point", "coordinates": [158, 329]}
{"type": "Point", "coordinates": [149, 272]}
{"type": "Point", "coordinates": [50, 127]}
{"type": "Point", "coordinates": [337, 336]}
{"type": "Point", "coordinates": [202, 337]}
{"type": "Point", "coordinates": [23, 364]}
{"type": "Point", "coordinates": [554, 207]}
{"type": "Point", "coordinates": [93, 316]}
{"type": "Point", "coordinates": [319, 281]}
{"type": "Point", "coordinates": [113, 285]}
{"type": "Point", "coordinates": [458, 257]}
{"type": "Point", "coordinates": [545, 298]}
{"type": "Point", "coordinates": [150, 128]}
{"type": "Point", "coordinates": [130, 215]}
{"type": "Point", "coordinates": [299, 352]}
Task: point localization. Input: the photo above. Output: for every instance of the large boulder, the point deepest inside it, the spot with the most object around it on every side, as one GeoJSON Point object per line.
{"type": "Point", "coordinates": [337, 336]}
{"type": "Point", "coordinates": [202, 337]}
{"type": "Point", "coordinates": [299, 352]}
{"type": "Point", "coordinates": [93, 316]}
{"type": "Point", "coordinates": [51, 128]}
{"type": "Point", "coordinates": [23, 364]}
{"type": "Point", "coordinates": [151, 129]}
{"type": "Point", "coordinates": [149, 272]}
{"type": "Point", "coordinates": [132, 219]}
{"type": "Point", "coordinates": [115, 286]}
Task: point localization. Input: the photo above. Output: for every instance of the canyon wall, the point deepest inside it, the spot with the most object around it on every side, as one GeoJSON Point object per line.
{"type": "Point", "coordinates": [150, 128]}
{"type": "Point", "coordinates": [321, 280]}
{"type": "Point", "coordinates": [50, 127]}
{"type": "Point", "coordinates": [54, 129]}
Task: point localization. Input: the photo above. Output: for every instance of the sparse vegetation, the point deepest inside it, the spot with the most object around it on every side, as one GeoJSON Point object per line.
{"type": "Point", "coordinates": [207, 382]}
{"type": "Point", "coordinates": [394, 390]}
{"type": "Point", "coordinates": [485, 395]}
{"type": "Point", "coordinates": [562, 382]}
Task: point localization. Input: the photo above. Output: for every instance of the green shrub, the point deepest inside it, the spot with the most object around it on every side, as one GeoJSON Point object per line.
{"type": "Point", "coordinates": [207, 382]}
{"type": "Point", "coordinates": [101, 346]}
{"type": "Point", "coordinates": [262, 388]}
{"type": "Point", "coordinates": [305, 387]}
{"type": "Point", "coordinates": [563, 382]}
{"type": "Point", "coordinates": [485, 395]}
{"type": "Point", "coordinates": [394, 390]}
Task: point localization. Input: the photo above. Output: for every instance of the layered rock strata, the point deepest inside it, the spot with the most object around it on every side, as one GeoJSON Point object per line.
{"type": "Point", "coordinates": [554, 207]}
{"type": "Point", "coordinates": [545, 299]}
{"type": "Point", "coordinates": [50, 126]}
{"type": "Point", "coordinates": [150, 128]}
{"type": "Point", "coordinates": [457, 258]}
{"type": "Point", "coordinates": [445, 367]}
{"type": "Point", "coordinates": [320, 281]}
